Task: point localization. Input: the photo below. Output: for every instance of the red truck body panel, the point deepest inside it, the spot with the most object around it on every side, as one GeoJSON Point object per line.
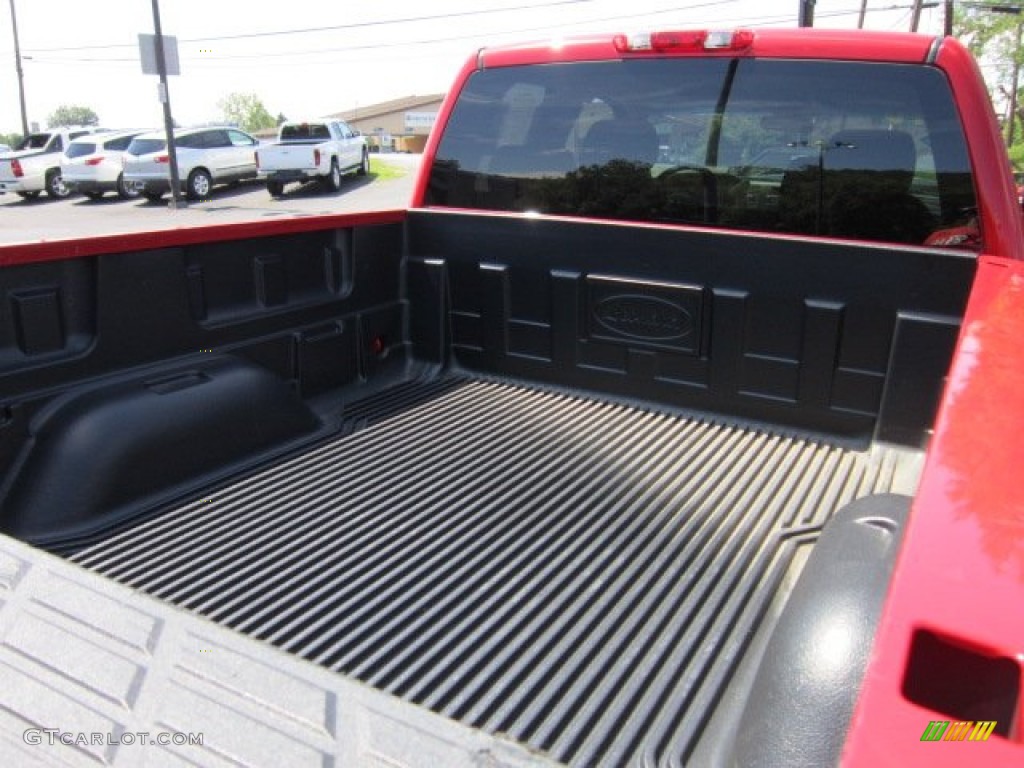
{"type": "Point", "coordinates": [834, 44]}
{"type": "Point", "coordinates": [73, 248]}
{"type": "Point", "coordinates": [960, 573]}
{"type": "Point", "coordinates": [997, 197]}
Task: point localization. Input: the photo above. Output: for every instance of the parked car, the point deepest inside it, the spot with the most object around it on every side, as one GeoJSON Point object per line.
{"type": "Point", "coordinates": [93, 164]}
{"type": "Point", "coordinates": [313, 149]}
{"type": "Point", "coordinates": [206, 157]}
{"type": "Point", "coordinates": [35, 165]}
{"type": "Point", "coordinates": [4, 148]}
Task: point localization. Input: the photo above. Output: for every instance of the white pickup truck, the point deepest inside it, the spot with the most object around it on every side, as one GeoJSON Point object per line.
{"type": "Point", "coordinates": [314, 149]}
{"type": "Point", "coordinates": [35, 165]}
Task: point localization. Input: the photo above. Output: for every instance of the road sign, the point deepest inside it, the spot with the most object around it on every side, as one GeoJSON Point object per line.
{"type": "Point", "coordinates": [147, 51]}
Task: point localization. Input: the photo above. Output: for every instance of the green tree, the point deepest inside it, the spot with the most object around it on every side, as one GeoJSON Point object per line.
{"type": "Point", "coordinates": [993, 32]}
{"type": "Point", "coordinates": [68, 114]}
{"type": "Point", "coordinates": [247, 111]}
{"type": "Point", "coordinates": [11, 139]}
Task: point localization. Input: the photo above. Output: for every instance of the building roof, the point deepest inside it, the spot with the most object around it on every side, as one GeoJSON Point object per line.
{"type": "Point", "coordinates": [389, 107]}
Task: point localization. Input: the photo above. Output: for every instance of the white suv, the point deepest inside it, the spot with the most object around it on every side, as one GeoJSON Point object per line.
{"type": "Point", "coordinates": [92, 164]}
{"type": "Point", "coordinates": [206, 156]}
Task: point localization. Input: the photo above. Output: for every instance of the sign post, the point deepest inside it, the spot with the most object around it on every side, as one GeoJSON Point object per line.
{"type": "Point", "coordinates": [165, 53]}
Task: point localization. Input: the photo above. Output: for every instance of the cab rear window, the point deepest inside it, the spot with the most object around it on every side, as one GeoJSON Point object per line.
{"type": "Point", "coordinates": [305, 132]}
{"type": "Point", "coordinates": [35, 141]}
{"type": "Point", "coordinates": [80, 149]}
{"type": "Point", "coordinates": [841, 149]}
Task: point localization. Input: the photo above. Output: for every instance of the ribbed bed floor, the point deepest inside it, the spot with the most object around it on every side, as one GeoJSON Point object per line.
{"type": "Point", "coordinates": [581, 575]}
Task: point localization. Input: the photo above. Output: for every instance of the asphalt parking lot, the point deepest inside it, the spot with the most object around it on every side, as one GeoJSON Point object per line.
{"type": "Point", "coordinates": [388, 186]}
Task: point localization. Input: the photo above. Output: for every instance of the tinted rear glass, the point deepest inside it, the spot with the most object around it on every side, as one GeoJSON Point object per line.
{"type": "Point", "coordinates": [219, 139]}
{"type": "Point", "coordinates": [191, 141]}
{"type": "Point", "coordinates": [305, 131]}
{"type": "Point", "coordinates": [80, 149]}
{"type": "Point", "coordinates": [145, 146]}
{"type": "Point", "coordinates": [118, 145]}
{"type": "Point", "coordinates": [239, 139]}
{"type": "Point", "coordinates": [35, 141]}
{"type": "Point", "coordinates": [210, 139]}
{"type": "Point", "coordinates": [847, 149]}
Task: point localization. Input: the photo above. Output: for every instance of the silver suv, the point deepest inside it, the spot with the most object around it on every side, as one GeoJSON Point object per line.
{"type": "Point", "coordinates": [206, 156]}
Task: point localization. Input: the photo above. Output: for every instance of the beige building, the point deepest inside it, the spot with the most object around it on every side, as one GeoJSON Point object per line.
{"type": "Point", "coordinates": [399, 125]}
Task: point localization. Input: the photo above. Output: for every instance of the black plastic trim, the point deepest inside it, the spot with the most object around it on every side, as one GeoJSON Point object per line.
{"type": "Point", "coordinates": [98, 454]}
{"type": "Point", "coordinates": [800, 705]}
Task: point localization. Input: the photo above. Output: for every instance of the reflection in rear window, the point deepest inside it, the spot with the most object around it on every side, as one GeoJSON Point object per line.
{"type": "Point", "coordinates": [305, 131]}
{"type": "Point", "coordinates": [816, 148]}
{"type": "Point", "coordinates": [80, 149]}
{"type": "Point", "coordinates": [145, 146]}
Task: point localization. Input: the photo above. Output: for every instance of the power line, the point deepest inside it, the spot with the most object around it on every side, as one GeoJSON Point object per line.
{"type": "Point", "coordinates": [384, 46]}
{"type": "Point", "coordinates": [385, 22]}
{"type": "Point", "coordinates": [331, 28]}
{"type": "Point", "coordinates": [457, 38]}
{"type": "Point", "coordinates": [346, 49]}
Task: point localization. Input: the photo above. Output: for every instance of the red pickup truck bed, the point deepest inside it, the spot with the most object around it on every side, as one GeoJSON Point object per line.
{"type": "Point", "coordinates": [652, 451]}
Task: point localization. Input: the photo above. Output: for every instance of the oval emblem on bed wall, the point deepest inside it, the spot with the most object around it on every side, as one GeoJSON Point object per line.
{"type": "Point", "coordinates": [643, 317]}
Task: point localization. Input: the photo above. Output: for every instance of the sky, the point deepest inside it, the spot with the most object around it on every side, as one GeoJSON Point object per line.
{"type": "Point", "coordinates": [305, 58]}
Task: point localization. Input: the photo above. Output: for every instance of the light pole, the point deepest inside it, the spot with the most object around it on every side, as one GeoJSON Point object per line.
{"type": "Point", "coordinates": [806, 13]}
{"type": "Point", "coordinates": [915, 18]}
{"type": "Point", "coordinates": [17, 68]}
{"type": "Point", "coordinates": [165, 97]}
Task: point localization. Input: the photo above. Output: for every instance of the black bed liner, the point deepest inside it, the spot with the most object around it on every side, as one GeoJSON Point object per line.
{"type": "Point", "coordinates": [582, 575]}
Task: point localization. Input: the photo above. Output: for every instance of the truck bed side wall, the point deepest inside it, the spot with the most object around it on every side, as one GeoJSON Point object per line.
{"type": "Point", "coordinates": [848, 339]}
{"type": "Point", "coordinates": [120, 373]}
{"type": "Point", "coordinates": [134, 378]}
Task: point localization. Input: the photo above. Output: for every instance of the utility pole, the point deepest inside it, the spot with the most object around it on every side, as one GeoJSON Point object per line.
{"type": "Point", "coordinates": [806, 13]}
{"type": "Point", "coordinates": [947, 27]}
{"type": "Point", "coordinates": [17, 68]}
{"type": "Point", "coordinates": [915, 16]}
{"type": "Point", "coordinates": [165, 97]}
{"type": "Point", "coordinates": [863, 13]}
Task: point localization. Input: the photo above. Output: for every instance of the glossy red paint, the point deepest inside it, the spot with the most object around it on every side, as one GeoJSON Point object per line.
{"type": "Point", "coordinates": [73, 248]}
{"type": "Point", "coordinates": [834, 44]}
{"type": "Point", "coordinates": [1001, 227]}
{"type": "Point", "coordinates": [960, 572]}
{"type": "Point", "coordinates": [443, 115]}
